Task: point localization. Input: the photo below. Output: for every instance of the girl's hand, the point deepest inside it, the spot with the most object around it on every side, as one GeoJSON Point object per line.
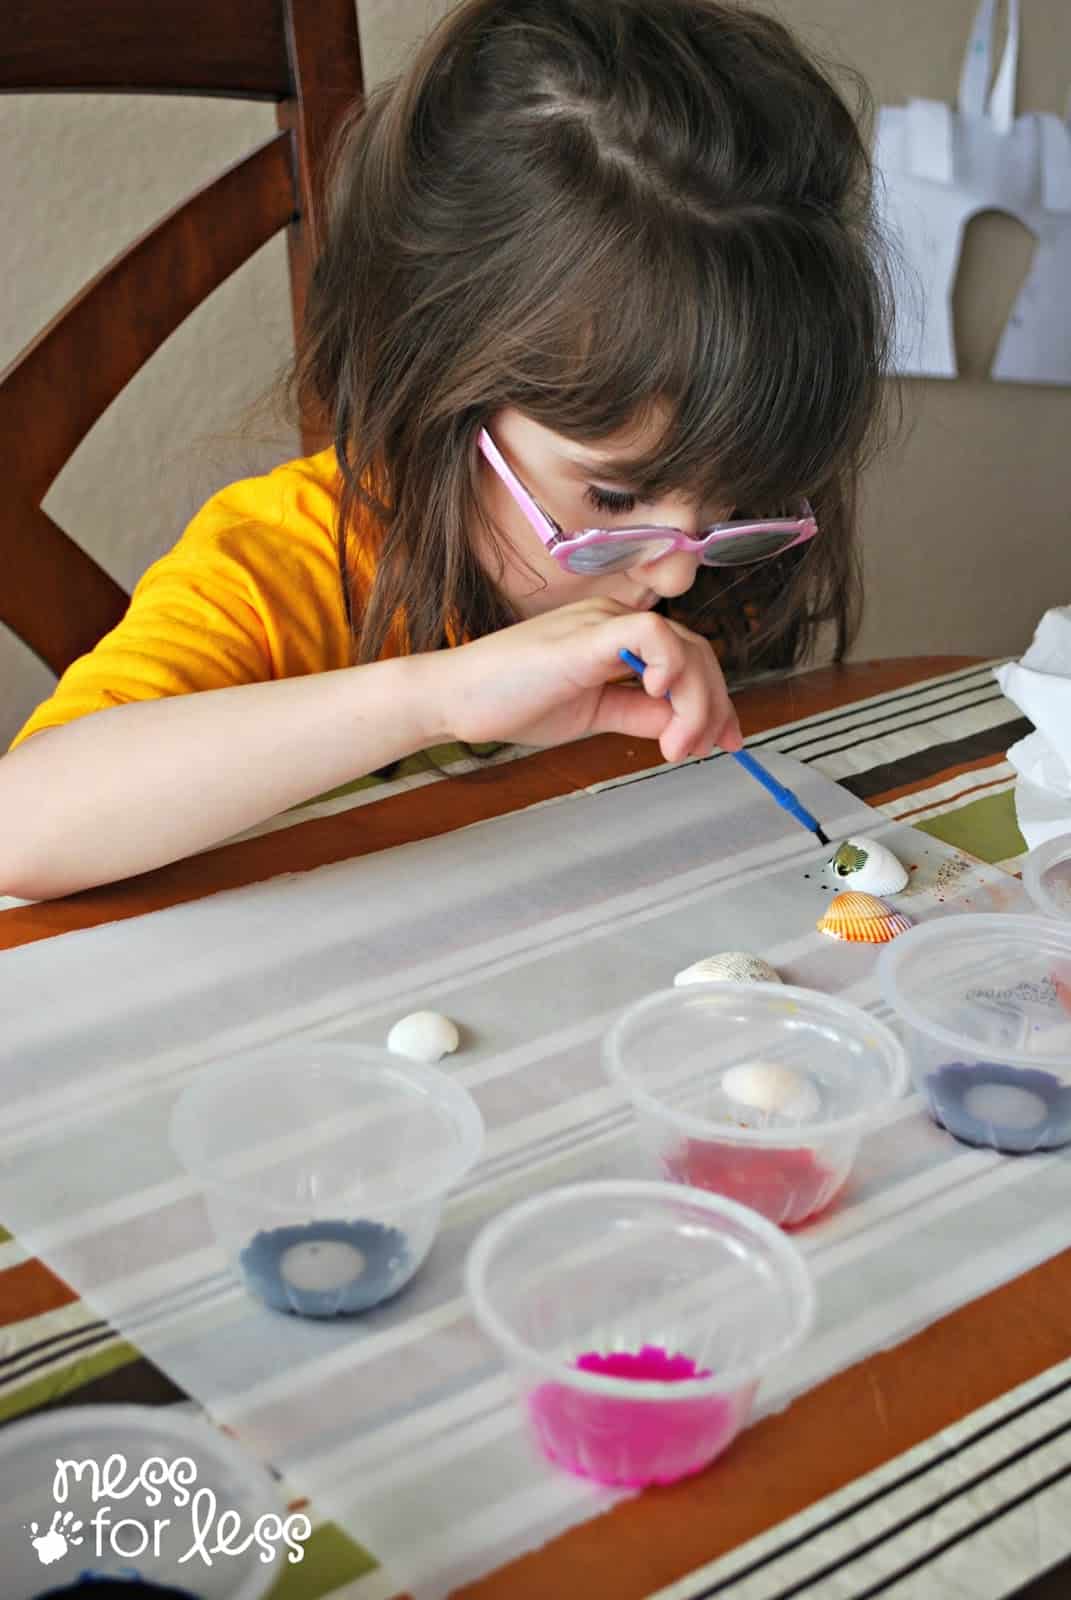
{"type": "Point", "coordinates": [551, 679]}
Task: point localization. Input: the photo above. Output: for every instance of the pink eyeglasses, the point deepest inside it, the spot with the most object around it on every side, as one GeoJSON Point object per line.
{"type": "Point", "coordinates": [595, 550]}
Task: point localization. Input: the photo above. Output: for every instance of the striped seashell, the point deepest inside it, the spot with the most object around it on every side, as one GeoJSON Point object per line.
{"type": "Point", "coordinates": [861, 918]}
{"type": "Point", "coordinates": [731, 966]}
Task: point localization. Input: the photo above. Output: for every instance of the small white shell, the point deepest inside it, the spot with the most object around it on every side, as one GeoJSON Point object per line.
{"type": "Point", "coordinates": [731, 966]}
{"type": "Point", "coordinates": [866, 865]}
{"type": "Point", "coordinates": [763, 1087]}
{"type": "Point", "coordinates": [423, 1036]}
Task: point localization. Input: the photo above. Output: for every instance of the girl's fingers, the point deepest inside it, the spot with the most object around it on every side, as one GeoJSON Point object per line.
{"type": "Point", "coordinates": [625, 709]}
{"type": "Point", "coordinates": [682, 666]}
{"type": "Point", "coordinates": [701, 702]}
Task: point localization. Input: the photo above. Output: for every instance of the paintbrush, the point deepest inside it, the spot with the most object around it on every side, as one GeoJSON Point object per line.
{"type": "Point", "coordinates": [784, 797]}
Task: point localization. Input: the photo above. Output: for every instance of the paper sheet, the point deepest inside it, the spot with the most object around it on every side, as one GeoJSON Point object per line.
{"type": "Point", "coordinates": [532, 931]}
{"type": "Point", "coordinates": [938, 168]}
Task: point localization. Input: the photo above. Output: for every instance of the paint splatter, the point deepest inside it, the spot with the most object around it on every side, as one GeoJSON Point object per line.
{"type": "Point", "coordinates": [950, 871]}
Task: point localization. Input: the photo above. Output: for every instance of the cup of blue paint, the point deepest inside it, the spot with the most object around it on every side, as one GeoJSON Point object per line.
{"type": "Point", "coordinates": [324, 1168]}
{"type": "Point", "coordinates": [984, 1005]}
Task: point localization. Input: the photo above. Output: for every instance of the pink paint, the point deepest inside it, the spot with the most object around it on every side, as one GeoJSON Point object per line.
{"type": "Point", "coordinates": [787, 1186]}
{"type": "Point", "coordinates": [629, 1440]}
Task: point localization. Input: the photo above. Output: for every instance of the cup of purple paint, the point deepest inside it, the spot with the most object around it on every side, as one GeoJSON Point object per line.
{"type": "Point", "coordinates": [984, 1004]}
{"type": "Point", "coordinates": [638, 1319]}
{"type": "Point", "coordinates": [324, 1168]}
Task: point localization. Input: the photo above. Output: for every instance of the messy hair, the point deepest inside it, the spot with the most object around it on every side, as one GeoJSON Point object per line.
{"type": "Point", "coordinates": [598, 211]}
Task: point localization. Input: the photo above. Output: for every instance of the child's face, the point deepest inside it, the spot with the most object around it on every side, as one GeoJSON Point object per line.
{"type": "Point", "coordinates": [566, 480]}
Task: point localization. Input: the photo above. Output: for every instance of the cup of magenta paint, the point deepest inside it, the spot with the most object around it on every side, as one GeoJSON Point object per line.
{"type": "Point", "coordinates": [325, 1168]}
{"type": "Point", "coordinates": [638, 1319]}
{"type": "Point", "coordinates": [984, 1003]}
{"type": "Point", "coordinates": [760, 1092]}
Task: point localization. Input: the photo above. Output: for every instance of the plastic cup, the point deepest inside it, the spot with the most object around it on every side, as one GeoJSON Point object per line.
{"type": "Point", "coordinates": [683, 1054]}
{"type": "Point", "coordinates": [1047, 877]}
{"type": "Point", "coordinates": [985, 1009]}
{"type": "Point", "coordinates": [324, 1169]}
{"type": "Point", "coordinates": [146, 1531]}
{"type": "Point", "coordinates": [651, 1277]}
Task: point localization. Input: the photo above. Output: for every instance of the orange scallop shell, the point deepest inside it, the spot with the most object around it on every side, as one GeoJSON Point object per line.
{"type": "Point", "coordinates": [862, 919]}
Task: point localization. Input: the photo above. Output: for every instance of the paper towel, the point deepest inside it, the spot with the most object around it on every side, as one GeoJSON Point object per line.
{"type": "Point", "coordinates": [1040, 685]}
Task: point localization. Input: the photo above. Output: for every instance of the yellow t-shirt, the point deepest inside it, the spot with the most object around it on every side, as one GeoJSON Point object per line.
{"type": "Point", "coordinates": [249, 593]}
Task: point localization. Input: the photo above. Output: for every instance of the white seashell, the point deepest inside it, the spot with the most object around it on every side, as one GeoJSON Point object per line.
{"type": "Point", "coordinates": [770, 1088]}
{"type": "Point", "coordinates": [423, 1036]}
{"type": "Point", "coordinates": [731, 966]}
{"type": "Point", "coordinates": [866, 865]}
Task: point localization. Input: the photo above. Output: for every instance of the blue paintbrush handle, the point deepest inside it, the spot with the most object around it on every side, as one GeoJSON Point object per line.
{"type": "Point", "coordinates": [784, 797]}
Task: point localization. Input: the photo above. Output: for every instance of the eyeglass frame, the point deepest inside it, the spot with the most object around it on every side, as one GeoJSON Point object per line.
{"type": "Point", "coordinates": [562, 545]}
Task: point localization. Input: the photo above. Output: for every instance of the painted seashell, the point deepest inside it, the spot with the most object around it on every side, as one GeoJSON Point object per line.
{"type": "Point", "coordinates": [731, 966]}
{"type": "Point", "coordinates": [862, 919]}
{"type": "Point", "coordinates": [423, 1036]}
{"type": "Point", "coordinates": [867, 865]}
{"type": "Point", "coordinates": [764, 1087]}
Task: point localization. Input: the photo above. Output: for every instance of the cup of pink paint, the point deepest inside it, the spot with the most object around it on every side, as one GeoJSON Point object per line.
{"type": "Point", "coordinates": [760, 1092]}
{"type": "Point", "coordinates": [638, 1319]}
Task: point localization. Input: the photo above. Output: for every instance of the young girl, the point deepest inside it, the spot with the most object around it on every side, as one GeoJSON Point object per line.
{"type": "Point", "coordinates": [600, 308]}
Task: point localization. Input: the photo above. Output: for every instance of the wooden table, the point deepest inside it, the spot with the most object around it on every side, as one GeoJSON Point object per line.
{"type": "Point", "coordinates": [831, 1435]}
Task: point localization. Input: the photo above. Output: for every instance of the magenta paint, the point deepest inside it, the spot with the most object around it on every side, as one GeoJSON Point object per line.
{"type": "Point", "coordinates": [633, 1440]}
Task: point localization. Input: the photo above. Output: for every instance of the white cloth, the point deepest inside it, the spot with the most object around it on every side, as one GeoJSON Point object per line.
{"type": "Point", "coordinates": [1040, 685]}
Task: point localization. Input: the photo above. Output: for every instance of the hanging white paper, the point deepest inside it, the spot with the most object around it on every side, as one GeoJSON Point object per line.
{"type": "Point", "coordinates": [939, 167]}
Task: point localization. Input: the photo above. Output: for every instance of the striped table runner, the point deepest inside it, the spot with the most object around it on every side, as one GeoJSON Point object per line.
{"type": "Point", "coordinates": [973, 1513]}
{"type": "Point", "coordinates": [932, 755]}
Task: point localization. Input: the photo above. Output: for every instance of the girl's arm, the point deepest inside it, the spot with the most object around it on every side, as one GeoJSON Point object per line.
{"type": "Point", "coordinates": [129, 788]}
{"type": "Point", "coordinates": [138, 785]}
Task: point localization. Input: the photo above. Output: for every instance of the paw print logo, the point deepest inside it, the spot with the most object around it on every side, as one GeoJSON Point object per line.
{"type": "Point", "coordinates": [63, 1532]}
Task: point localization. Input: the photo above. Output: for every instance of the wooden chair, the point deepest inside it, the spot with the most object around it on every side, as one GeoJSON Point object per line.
{"type": "Point", "coordinates": [302, 54]}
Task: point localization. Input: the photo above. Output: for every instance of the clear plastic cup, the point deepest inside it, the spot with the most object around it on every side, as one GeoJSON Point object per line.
{"type": "Point", "coordinates": [194, 1478]}
{"type": "Point", "coordinates": [984, 1004]}
{"type": "Point", "coordinates": [1047, 877]}
{"type": "Point", "coordinates": [675, 1302]}
{"type": "Point", "coordinates": [325, 1168]}
{"type": "Point", "coordinates": [685, 1054]}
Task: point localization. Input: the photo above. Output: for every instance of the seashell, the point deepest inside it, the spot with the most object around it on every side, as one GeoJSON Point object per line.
{"type": "Point", "coordinates": [867, 865]}
{"type": "Point", "coordinates": [764, 1087]}
{"type": "Point", "coordinates": [862, 919]}
{"type": "Point", "coordinates": [423, 1036]}
{"type": "Point", "coordinates": [731, 966]}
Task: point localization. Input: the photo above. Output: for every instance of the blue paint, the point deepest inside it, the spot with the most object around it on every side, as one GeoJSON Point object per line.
{"type": "Point", "coordinates": [948, 1089]}
{"type": "Point", "coordinates": [115, 1587]}
{"type": "Point", "coordinates": [386, 1267]}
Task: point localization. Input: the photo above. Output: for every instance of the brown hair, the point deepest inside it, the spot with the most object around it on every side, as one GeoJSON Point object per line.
{"type": "Point", "coordinates": [583, 209]}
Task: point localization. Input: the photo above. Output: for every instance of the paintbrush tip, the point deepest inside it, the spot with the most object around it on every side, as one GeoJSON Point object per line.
{"type": "Point", "coordinates": [821, 834]}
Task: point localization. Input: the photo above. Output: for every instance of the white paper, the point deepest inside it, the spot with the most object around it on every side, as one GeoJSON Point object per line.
{"type": "Point", "coordinates": [940, 167]}
{"type": "Point", "coordinates": [1040, 685]}
{"type": "Point", "coordinates": [532, 932]}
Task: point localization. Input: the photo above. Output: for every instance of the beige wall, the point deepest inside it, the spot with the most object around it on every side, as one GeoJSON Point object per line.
{"type": "Point", "coordinates": [967, 532]}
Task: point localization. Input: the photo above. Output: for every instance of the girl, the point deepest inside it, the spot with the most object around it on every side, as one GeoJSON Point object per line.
{"type": "Point", "coordinates": [599, 309]}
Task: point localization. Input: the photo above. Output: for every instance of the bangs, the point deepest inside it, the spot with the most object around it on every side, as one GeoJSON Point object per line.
{"type": "Point", "coordinates": [753, 382]}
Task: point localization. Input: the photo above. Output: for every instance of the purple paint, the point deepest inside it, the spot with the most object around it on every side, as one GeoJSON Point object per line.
{"type": "Point", "coordinates": [1034, 1112]}
{"type": "Point", "coordinates": [632, 1440]}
